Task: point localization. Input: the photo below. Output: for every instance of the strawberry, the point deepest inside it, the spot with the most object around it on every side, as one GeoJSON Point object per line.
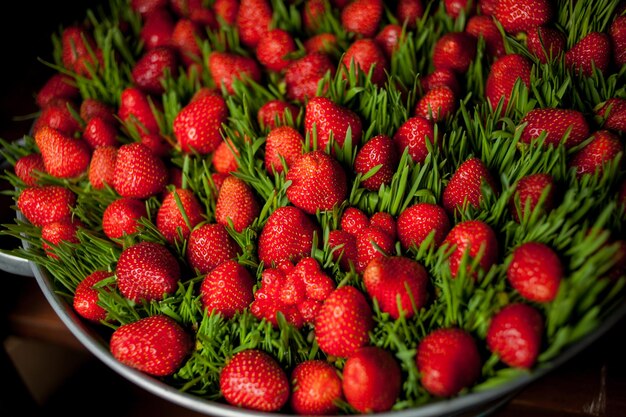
{"type": "Point", "coordinates": [378, 151]}
{"type": "Point", "coordinates": [52, 234]}
{"type": "Point", "coordinates": [135, 109]}
{"type": "Point", "coordinates": [227, 10]}
{"type": "Point", "coordinates": [503, 75]}
{"type": "Point", "coordinates": [144, 7]}
{"type": "Point", "coordinates": [343, 322]}
{"type": "Point", "coordinates": [158, 144]}
{"type": "Point", "coordinates": [535, 272]}
{"type": "Point", "coordinates": [274, 48]}
{"type": "Point", "coordinates": [556, 123]}
{"type": "Point", "coordinates": [386, 222]}
{"type": "Point", "coordinates": [63, 157]}
{"type": "Point", "coordinates": [408, 11]}
{"type": "Point", "coordinates": [86, 297]}
{"type": "Point", "coordinates": [465, 187]}
{"type": "Point", "coordinates": [91, 107]}
{"type": "Point", "coordinates": [46, 204]}
{"type": "Point", "coordinates": [546, 43]}
{"type": "Point", "coordinates": [437, 104]}
{"type": "Point", "coordinates": [151, 68]}
{"type": "Point", "coordinates": [613, 114]}
{"type": "Point", "coordinates": [198, 126]}
{"type": "Point", "coordinates": [226, 67]}
{"type": "Point", "coordinates": [388, 39]}
{"type": "Point", "coordinates": [77, 49]}
{"type": "Point", "coordinates": [321, 43]}
{"type": "Point", "coordinates": [273, 113]}
{"type": "Point", "coordinates": [303, 75]}
{"type": "Point", "coordinates": [372, 380]}
{"type": "Point", "coordinates": [323, 116]}
{"type": "Point", "coordinates": [210, 245]}
{"type": "Point", "coordinates": [313, 13]}
{"type": "Point", "coordinates": [418, 221]}
{"type": "Point", "coordinates": [455, 7]}
{"type": "Point", "coordinates": [252, 379]}
{"type": "Point", "coordinates": [515, 333]}
{"type": "Point", "coordinates": [147, 271]}
{"type": "Point", "coordinates": [369, 244]}
{"type": "Point", "coordinates": [205, 17]}
{"type": "Point", "coordinates": [156, 345]}
{"type": "Point", "coordinates": [58, 86]}
{"type": "Point", "coordinates": [28, 167]}
{"type": "Point", "coordinates": [102, 167]}
{"type": "Point", "coordinates": [528, 191]}
{"type": "Point", "coordinates": [448, 361]}
{"type": "Point", "coordinates": [99, 132]}
{"type": "Point", "coordinates": [225, 157]}
{"type": "Point", "coordinates": [157, 28]}
{"type": "Point", "coordinates": [316, 388]}
{"type": "Point", "coordinates": [398, 284]}
{"type": "Point", "coordinates": [185, 36]}
{"type": "Point", "coordinates": [282, 142]}
{"type": "Point", "coordinates": [354, 221]}
{"type": "Point", "coordinates": [477, 239]}
{"type": "Point", "coordinates": [617, 32]}
{"type": "Point", "coordinates": [365, 55]}
{"type": "Point", "coordinates": [413, 135]}
{"type": "Point", "coordinates": [171, 222]}
{"type": "Point", "coordinates": [487, 7]}
{"type": "Point", "coordinates": [227, 289]}
{"type": "Point", "coordinates": [318, 182]}
{"type": "Point", "coordinates": [138, 172]}
{"type": "Point", "coordinates": [121, 217]}
{"type": "Point", "coordinates": [287, 235]}
{"type": "Point", "coordinates": [362, 17]}
{"type": "Point", "coordinates": [236, 203]}
{"type": "Point", "coordinates": [57, 115]}
{"type": "Point", "coordinates": [522, 16]}
{"type": "Point", "coordinates": [604, 149]}
{"type": "Point", "coordinates": [343, 245]}
{"type": "Point", "coordinates": [454, 51]}
{"type": "Point", "coordinates": [441, 77]}
{"type": "Point", "coordinates": [253, 21]}
{"type": "Point", "coordinates": [485, 26]}
{"type": "Point", "coordinates": [592, 51]}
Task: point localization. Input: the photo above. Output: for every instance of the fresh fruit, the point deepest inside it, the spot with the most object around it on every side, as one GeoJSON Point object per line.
{"type": "Point", "coordinates": [273, 49]}
{"type": "Point", "coordinates": [324, 119]}
{"type": "Point", "coordinates": [154, 65]}
{"type": "Point", "coordinates": [529, 190]}
{"type": "Point", "coordinates": [101, 171]}
{"type": "Point", "coordinates": [454, 51]}
{"type": "Point", "coordinates": [475, 240]}
{"type": "Point", "coordinates": [316, 388]}
{"type": "Point", "coordinates": [179, 213]}
{"type": "Point", "coordinates": [535, 271]}
{"type": "Point", "coordinates": [226, 67]}
{"type": "Point", "coordinates": [236, 203]}
{"type": "Point", "coordinates": [557, 123]}
{"type": "Point", "coordinates": [419, 221]}
{"type": "Point", "coordinates": [522, 16]}
{"type": "Point", "coordinates": [29, 167]}
{"type": "Point", "coordinates": [546, 43]}
{"type": "Point", "coordinates": [592, 51]}
{"type": "Point", "coordinates": [274, 112]}
{"type": "Point", "coordinates": [613, 113]}
{"type": "Point", "coordinates": [282, 143]}
{"type": "Point", "coordinates": [227, 289]}
{"type": "Point", "coordinates": [87, 297]}
{"type": "Point", "coordinates": [46, 204]}
{"type": "Point", "coordinates": [366, 56]}
{"type": "Point", "coordinates": [465, 187]}
{"type": "Point", "coordinates": [362, 17]}
{"type": "Point", "coordinates": [136, 109]}
{"type": "Point", "coordinates": [198, 126]}
{"type": "Point", "coordinates": [122, 216]}
{"type": "Point", "coordinates": [253, 21]}
{"type": "Point", "coordinates": [604, 149]}
{"type": "Point", "coordinates": [52, 234]}
{"type": "Point", "coordinates": [98, 132]}
{"type": "Point", "coordinates": [617, 32]}
{"type": "Point", "coordinates": [303, 75]}
{"type": "Point", "coordinates": [210, 245]}
{"type": "Point", "coordinates": [415, 135]}
{"type": "Point", "coordinates": [372, 243]}
{"type": "Point", "coordinates": [138, 172]}
{"type": "Point", "coordinates": [437, 104]}
{"type": "Point", "coordinates": [63, 156]}
{"type": "Point", "coordinates": [503, 75]}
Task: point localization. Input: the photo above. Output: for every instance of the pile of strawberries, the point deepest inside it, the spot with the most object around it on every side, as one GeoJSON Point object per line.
{"type": "Point", "coordinates": [332, 206]}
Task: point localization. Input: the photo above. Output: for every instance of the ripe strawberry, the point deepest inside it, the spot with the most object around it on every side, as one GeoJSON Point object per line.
{"type": "Point", "coordinates": [318, 182]}
{"type": "Point", "coordinates": [367, 242]}
{"type": "Point", "coordinates": [448, 361]}
{"type": "Point", "coordinates": [321, 43]}
{"type": "Point", "coordinates": [354, 221]}
{"type": "Point", "coordinates": [138, 172]}
{"type": "Point", "coordinates": [98, 132]}
{"type": "Point", "coordinates": [388, 39]}
{"type": "Point", "coordinates": [184, 39]}
{"type": "Point", "coordinates": [522, 16]}
{"type": "Point", "coordinates": [147, 271]}
{"type": "Point", "coordinates": [485, 26]}
{"type": "Point", "coordinates": [535, 272]}
{"type": "Point", "coordinates": [454, 51]}
{"type": "Point", "coordinates": [86, 297]}
{"type": "Point", "coordinates": [365, 55]}
{"type": "Point", "coordinates": [556, 123]}
{"type": "Point", "coordinates": [252, 379]}
{"type": "Point", "coordinates": [121, 217]}
{"type": "Point", "coordinates": [236, 202]}
{"type": "Point", "coordinates": [225, 156]}
{"type": "Point", "coordinates": [273, 113]}
{"type": "Point", "coordinates": [488, 7]}
{"type": "Point", "coordinates": [102, 167]}
{"type": "Point", "coordinates": [503, 75]}
{"type": "Point", "coordinates": [91, 107]}
{"type": "Point", "coordinates": [227, 289]}
{"type": "Point", "coordinates": [156, 345]}
{"type": "Point", "coordinates": [151, 68]}
{"type": "Point", "coordinates": [157, 28]}
{"type": "Point", "coordinates": [170, 220]}
{"type": "Point", "coordinates": [27, 168]}
{"type": "Point", "coordinates": [379, 150]}
{"type": "Point", "coordinates": [546, 43]}
{"type": "Point", "coordinates": [408, 11]}
{"type": "Point", "coordinates": [344, 246]}
{"type": "Point", "coordinates": [227, 10]}
{"type": "Point", "coordinates": [418, 221]}
{"type": "Point", "coordinates": [253, 21]}
{"type": "Point", "coordinates": [617, 32]}
{"type": "Point", "coordinates": [144, 7]}
{"type": "Point", "coordinates": [135, 109]}
{"type": "Point", "coordinates": [52, 234]}
{"type": "Point", "coordinates": [158, 144]}
{"type": "Point", "coordinates": [441, 77]}
{"type": "Point", "coordinates": [77, 47]}
{"type": "Point", "coordinates": [464, 189]}
{"type": "Point", "coordinates": [324, 116]}
{"type": "Point", "coordinates": [226, 67]}
{"type": "Point", "coordinates": [529, 190]}
{"type": "Point", "coordinates": [437, 104]}
{"type": "Point", "coordinates": [398, 284]}
{"type": "Point", "coordinates": [343, 322]}
{"type": "Point", "coordinates": [454, 7]}
{"type": "Point", "coordinates": [303, 75]}
{"type": "Point", "coordinates": [362, 17]}
{"type": "Point", "coordinates": [515, 333]}
{"type": "Point", "coordinates": [594, 50]}
{"type": "Point", "coordinates": [313, 13]}
{"type": "Point", "coordinates": [604, 148]}
{"type": "Point", "coordinates": [205, 17]}
{"type": "Point", "coordinates": [316, 388]}
{"type": "Point", "coordinates": [285, 142]}
{"type": "Point", "coordinates": [476, 238]}
{"type": "Point", "coordinates": [58, 87]}
{"type": "Point", "coordinates": [613, 112]}
{"type": "Point", "coordinates": [198, 126]}
{"type": "Point", "coordinates": [57, 115]}
{"type": "Point", "coordinates": [273, 49]}
{"type": "Point", "coordinates": [210, 245]}
{"type": "Point", "coordinates": [63, 157]}
{"type": "Point", "coordinates": [372, 380]}
{"type": "Point", "coordinates": [46, 204]}
{"type": "Point", "coordinates": [386, 222]}
{"type": "Point", "coordinates": [413, 135]}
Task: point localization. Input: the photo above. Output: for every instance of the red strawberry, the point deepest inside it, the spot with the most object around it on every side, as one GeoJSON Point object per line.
{"type": "Point", "coordinates": [485, 26]}
{"type": "Point", "coordinates": [464, 189]}
{"type": "Point", "coordinates": [617, 32]}
{"type": "Point", "coordinates": [613, 112]}
{"type": "Point", "coordinates": [52, 234]}
{"type": "Point", "coordinates": [157, 28]}
{"type": "Point", "coordinates": [156, 345]}
{"type": "Point", "coordinates": [158, 144]}
{"type": "Point", "coordinates": [135, 109]}
{"type": "Point", "coordinates": [448, 361]}
{"type": "Point", "coordinates": [476, 238]}
{"type": "Point", "coordinates": [151, 68]}
{"type": "Point", "coordinates": [102, 167]}
{"type": "Point", "coordinates": [184, 39]}
{"type": "Point", "coordinates": [521, 16]}
{"type": "Point", "coordinates": [98, 132]}
{"type": "Point", "coordinates": [556, 123]}
{"type": "Point", "coordinates": [379, 150]}
{"type": "Point", "coordinates": [386, 222]}
{"type": "Point", "coordinates": [46, 204]}
{"type": "Point", "coordinates": [303, 75]}
{"type": "Point", "coordinates": [369, 243]}
{"type": "Point", "coordinates": [77, 47]}
{"type": "Point", "coordinates": [546, 43]}
{"type": "Point", "coordinates": [408, 11]}
{"type": "Point", "coordinates": [318, 182]}
{"type": "Point", "coordinates": [210, 245]}
{"type": "Point", "coordinates": [63, 157]}
{"type": "Point", "coordinates": [204, 16]}
{"type": "Point", "coordinates": [138, 172]}
{"type": "Point", "coordinates": [27, 168]}
{"type": "Point", "coordinates": [225, 157]}
{"type": "Point", "coordinates": [236, 202]}
{"type": "Point", "coordinates": [398, 284]}
{"type": "Point", "coordinates": [253, 21]}
{"type": "Point", "coordinates": [454, 7]}
{"type": "Point", "coordinates": [413, 135]}
{"type": "Point", "coordinates": [344, 246]}
{"type": "Point", "coordinates": [529, 190]}
{"type": "Point", "coordinates": [144, 7]}
{"type": "Point", "coordinates": [502, 77]}
{"type": "Point", "coordinates": [594, 50]}
{"type": "Point", "coordinates": [366, 56]}
{"type": "Point", "coordinates": [121, 217]}
{"type": "Point", "coordinates": [388, 39]}
{"type": "Point", "coordinates": [90, 108]}
{"type": "Point", "coordinates": [362, 17]}
{"type": "Point", "coordinates": [198, 126]}
{"type": "Point", "coordinates": [535, 272]}
{"type": "Point", "coordinates": [418, 221]}
{"type": "Point", "coordinates": [312, 13]}
{"type": "Point", "coordinates": [321, 43]}
{"type": "Point", "coordinates": [57, 115]}
{"type": "Point", "coordinates": [58, 86]}
{"type": "Point", "coordinates": [454, 51]}
{"type": "Point", "coordinates": [437, 104]}
{"type": "Point", "coordinates": [372, 380]}
{"type": "Point", "coordinates": [147, 271]}
{"type": "Point", "coordinates": [273, 49]}
{"type": "Point", "coordinates": [227, 289]}
{"type": "Point", "coordinates": [273, 113]}
{"type": "Point", "coordinates": [354, 221]}
{"type": "Point", "coordinates": [170, 220]}
{"type": "Point", "coordinates": [252, 379]}
{"type": "Point", "coordinates": [316, 388]}
{"type": "Point", "coordinates": [343, 322]}
{"type": "Point", "coordinates": [285, 142]}
{"type": "Point", "coordinates": [226, 67]}
{"type": "Point", "coordinates": [441, 77]}
{"type": "Point", "coordinates": [86, 297]}
{"type": "Point", "coordinates": [488, 7]}
{"type": "Point", "coordinates": [515, 333]}
{"type": "Point", "coordinates": [604, 148]}
{"type": "Point", "coordinates": [227, 10]}
{"type": "Point", "coordinates": [324, 116]}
